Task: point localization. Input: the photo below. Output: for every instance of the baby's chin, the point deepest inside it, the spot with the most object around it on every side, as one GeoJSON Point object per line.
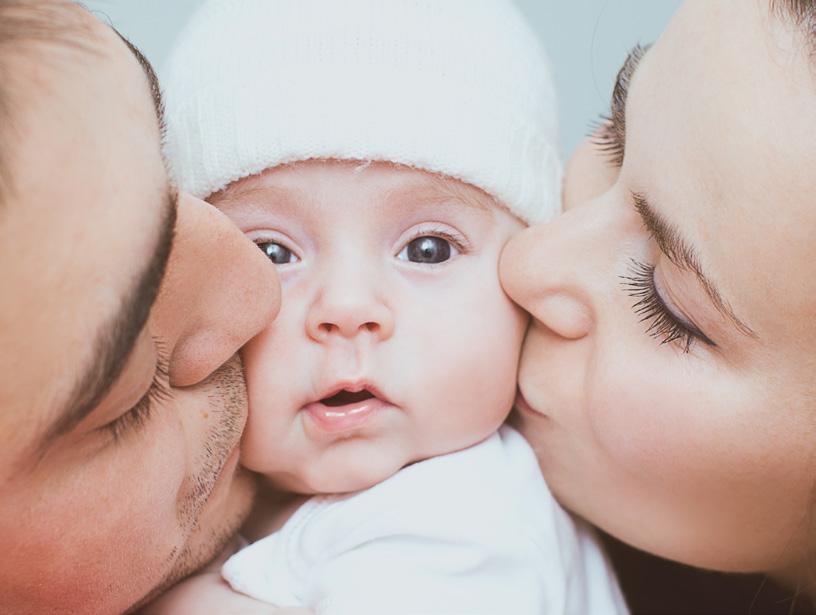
{"type": "Point", "coordinates": [338, 477]}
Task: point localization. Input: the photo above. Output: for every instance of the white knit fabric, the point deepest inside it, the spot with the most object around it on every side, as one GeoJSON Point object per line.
{"type": "Point", "coordinates": [475, 532]}
{"type": "Point", "coordinates": [457, 87]}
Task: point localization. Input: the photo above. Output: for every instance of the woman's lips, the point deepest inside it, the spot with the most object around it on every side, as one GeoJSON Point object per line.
{"type": "Point", "coordinates": [337, 419]}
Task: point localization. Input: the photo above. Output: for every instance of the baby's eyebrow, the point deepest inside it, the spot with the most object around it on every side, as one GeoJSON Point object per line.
{"type": "Point", "coordinates": [440, 191]}
{"type": "Point", "coordinates": [429, 191]}
{"type": "Point", "coordinates": [238, 194]}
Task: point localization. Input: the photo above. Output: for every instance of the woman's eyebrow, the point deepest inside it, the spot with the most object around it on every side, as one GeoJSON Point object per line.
{"type": "Point", "coordinates": [680, 252]}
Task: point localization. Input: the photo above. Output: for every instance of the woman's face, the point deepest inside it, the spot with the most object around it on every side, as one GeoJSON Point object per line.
{"type": "Point", "coordinates": [668, 382]}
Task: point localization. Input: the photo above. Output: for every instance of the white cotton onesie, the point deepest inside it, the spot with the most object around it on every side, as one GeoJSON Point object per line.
{"type": "Point", "coordinates": [473, 532]}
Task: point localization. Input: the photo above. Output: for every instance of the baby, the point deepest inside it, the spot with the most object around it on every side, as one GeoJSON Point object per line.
{"type": "Point", "coordinates": [380, 153]}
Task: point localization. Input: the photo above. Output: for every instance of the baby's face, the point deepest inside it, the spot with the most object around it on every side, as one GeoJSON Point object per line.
{"type": "Point", "coordinates": [395, 341]}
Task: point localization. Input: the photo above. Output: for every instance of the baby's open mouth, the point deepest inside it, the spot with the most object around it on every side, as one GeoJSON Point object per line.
{"type": "Point", "coordinates": [345, 397]}
{"type": "Point", "coordinates": [346, 408]}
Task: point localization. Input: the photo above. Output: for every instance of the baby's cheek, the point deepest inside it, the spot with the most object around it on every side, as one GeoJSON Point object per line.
{"type": "Point", "coordinates": [267, 397]}
{"type": "Point", "coordinates": [501, 357]}
{"type": "Point", "coordinates": [484, 378]}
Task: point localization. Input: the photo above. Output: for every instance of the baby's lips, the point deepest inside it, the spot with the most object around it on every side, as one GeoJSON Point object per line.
{"type": "Point", "coordinates": [345, 397]}
{"type": "Point", "coordinates": [351, 391]}
{"type": "Point", "coordinates": [348, 417]}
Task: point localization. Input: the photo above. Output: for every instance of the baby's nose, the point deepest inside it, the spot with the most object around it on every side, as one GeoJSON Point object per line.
{"type": "Point", "coordinates": [349, 312]}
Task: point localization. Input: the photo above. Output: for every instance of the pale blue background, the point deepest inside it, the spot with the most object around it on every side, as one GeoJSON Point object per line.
{"type": "Point", "coordinates": [587, 41]}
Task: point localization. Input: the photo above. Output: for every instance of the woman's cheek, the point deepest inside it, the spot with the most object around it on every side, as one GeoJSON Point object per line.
{"type": "Point", "coordinates": [664, 418]}
{"type": "Point", "coordinates": [640, 417]}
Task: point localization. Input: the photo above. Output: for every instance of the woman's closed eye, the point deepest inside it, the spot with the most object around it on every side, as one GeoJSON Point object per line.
{"type": "Point", "coordinates": [663, 324]}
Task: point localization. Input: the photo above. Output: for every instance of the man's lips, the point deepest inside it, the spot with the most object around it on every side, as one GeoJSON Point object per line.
{"type": "Point", "coordinates": [346, 406]}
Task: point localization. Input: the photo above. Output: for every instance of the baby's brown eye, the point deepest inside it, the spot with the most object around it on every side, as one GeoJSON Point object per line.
{"type": "Point", "coordinates": [427, 249]}
{"type": "Point", "coordinates": [278, 254]}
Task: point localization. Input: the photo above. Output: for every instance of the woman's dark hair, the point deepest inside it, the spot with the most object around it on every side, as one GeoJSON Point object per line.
{"type": "Point", "coordinates": [802, 13]}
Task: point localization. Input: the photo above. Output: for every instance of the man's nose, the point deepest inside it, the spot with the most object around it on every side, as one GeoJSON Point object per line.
{"type": "Point", "coordinates": [559, 271]}
{"type": "Point", "coordinates": [348, 304]}
{"type": "Point", "coordinates": [219, 291]}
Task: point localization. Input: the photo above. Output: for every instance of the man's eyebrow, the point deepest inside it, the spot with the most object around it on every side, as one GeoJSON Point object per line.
{"type": "Point", "coordinates": [680, 252]}
{"type": "Point", "coordinates": [115, 341]}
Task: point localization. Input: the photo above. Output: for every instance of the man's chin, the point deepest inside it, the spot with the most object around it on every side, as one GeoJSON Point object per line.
{"type": "Point", "coordinates": [208, 538]}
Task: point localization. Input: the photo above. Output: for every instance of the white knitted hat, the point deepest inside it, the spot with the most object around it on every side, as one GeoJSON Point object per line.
{"type": "Point", "coordinates": [457, 87]}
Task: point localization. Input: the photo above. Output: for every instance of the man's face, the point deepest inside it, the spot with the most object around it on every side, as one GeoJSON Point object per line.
{"type": "Point", "coordinates": [122, 404]}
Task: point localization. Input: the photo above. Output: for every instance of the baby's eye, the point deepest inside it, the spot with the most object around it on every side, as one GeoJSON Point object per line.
{"type": "Point", "coordinates": [428, 249]}
{"type": "Point", "coordinates": [277, 253]}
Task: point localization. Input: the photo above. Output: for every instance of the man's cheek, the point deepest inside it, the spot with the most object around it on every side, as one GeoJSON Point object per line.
{"type": "Point", "coordinates": [119, 513]}
{"type": "Point", "coordinates": [85, 546]}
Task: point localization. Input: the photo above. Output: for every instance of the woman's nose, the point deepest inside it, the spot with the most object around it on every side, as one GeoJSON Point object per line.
{"type": "Point", "coordinates": [347, 305]}
{"type": "Point", "coordinates": [555, 270]}
{"type": "Point", "coordinates": [219, 291]}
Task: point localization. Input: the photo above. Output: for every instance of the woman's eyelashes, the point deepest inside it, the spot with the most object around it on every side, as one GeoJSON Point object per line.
{"type": "Point", "coordinates": [609, 132]}
{"type": "Point", "coordinates": [663, 324]}
{"type": "Point", "coordinates": [606, 139]}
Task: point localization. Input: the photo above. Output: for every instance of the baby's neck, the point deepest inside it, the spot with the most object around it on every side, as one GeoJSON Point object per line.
{"type": "Point", "coordinates": [271, 510]}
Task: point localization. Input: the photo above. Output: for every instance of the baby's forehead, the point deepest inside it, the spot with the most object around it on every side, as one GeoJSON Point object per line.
{"type": "Point", "coordinates": [400, 185]}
